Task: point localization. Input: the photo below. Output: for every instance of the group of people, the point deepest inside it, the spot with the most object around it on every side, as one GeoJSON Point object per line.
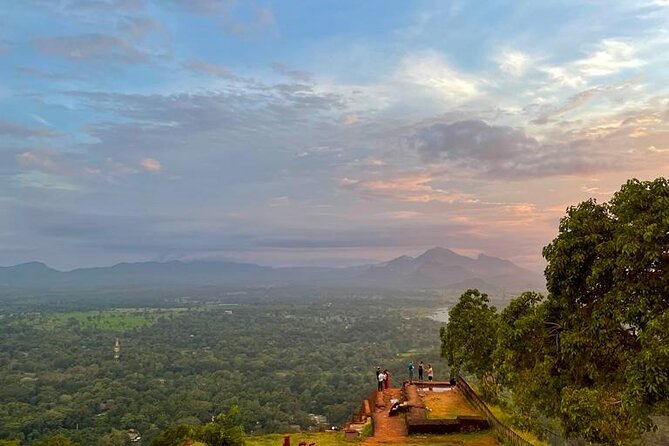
{"type": "Point", "coordinates": [382, 379]}
{"type": "Point", "coordinates": [383, 376]}
{"type": "Point", "coordinates": [422, 371]}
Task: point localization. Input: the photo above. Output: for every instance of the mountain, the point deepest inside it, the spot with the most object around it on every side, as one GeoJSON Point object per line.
{"type": "Point", "coordinates": [435, 268]}
{"type": "Point", "coordinates": [443, 268]}
{"type": "Point", "coordinates": [25, 273]}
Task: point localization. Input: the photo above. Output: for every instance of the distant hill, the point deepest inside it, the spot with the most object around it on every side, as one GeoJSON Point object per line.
{"type": "Point", "coordinates": [443, 268]}
{"type": "Point", "coordinates": [435, 268]}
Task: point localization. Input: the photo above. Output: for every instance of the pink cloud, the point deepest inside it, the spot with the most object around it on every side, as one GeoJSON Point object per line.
{"type": "Point", "coordinates": [414, 188]}
{"type": "Point", "coordinates": [151, 164]}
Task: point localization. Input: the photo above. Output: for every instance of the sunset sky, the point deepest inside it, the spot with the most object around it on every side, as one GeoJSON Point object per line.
{"type": "Point", "coordinates": [319, 132]}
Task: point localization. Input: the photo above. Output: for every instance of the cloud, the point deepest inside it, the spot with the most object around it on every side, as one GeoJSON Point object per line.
{"type": "Point", "coordinates": [515, 63]}
{"type": "Point", "coordinates": [350, 119]}
{"type": "Point", "coordinates": [13, 129]}
{"type": "Point", "coordinates": [610, 57]}
{"type": "Point", "coordinates": [93, 46]}
{"type": "Point", "coordinates": [296, 75]}
{"type": "Point", "coordinates": [76, 169]}
{"type": "Point", "coordinates": [151, 164]}
{"type": "Point", "coordinates": [430, 70]}
{"type": "Point", "coordinates": [572, 103]}
{"type": "Point", "coordinates": [563, 76]}
{"type": "Point", "coordinates": [108, 5]}
{"type": "Point", "coordinates": [596, 191]}
{"type": "Point", "coordinates": [72, 8]}
{"type": "Point", "coordinates": [238, 18]}
{"type": "Point", "coordinates": [415, 188]}
{"type": "Point", "coordinates": [45, 75]}
{"type": "Point", "coordinates": [205, 7]}
{"type": "Point", "coordinates": [501, 151]}
{"type": "Point", "coordinates": [209, 68]}
{"type": "Point", "coordinates": [138, 27]}
{"type": "Point", "coordinates": [44, 161]}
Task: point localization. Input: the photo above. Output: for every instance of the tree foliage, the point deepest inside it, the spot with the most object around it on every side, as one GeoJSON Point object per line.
{"type": "Point", "coordinates": [224, 430]}
{"type": "Point", "coordinates": [279, 358]}
{"type": "Point", "coordinates": [468, 340]}
{"type": "Point", "coordinates": [595, 353]}
{"type": "Point", "coordinates": [57, 440]}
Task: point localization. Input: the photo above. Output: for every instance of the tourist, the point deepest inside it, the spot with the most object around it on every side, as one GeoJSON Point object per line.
{"type": "Point", "coordinates": [430, 372]}
{"type": "Point", "coordinates": [420, 371]}
{"type": "Point", "coordinates": [386, 382]}
{"type": "Point", "coordinates": [381, 378]}
{"type": "Point", "coordinates": [410, 369]}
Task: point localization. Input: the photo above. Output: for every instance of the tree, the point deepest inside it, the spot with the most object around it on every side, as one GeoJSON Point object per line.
{"type": "Point", "coordinates": [114, 438]}
{"type": "Point", "coordinates": [468, 340]}
{"type": "Point", "coordinates": [56, 440]}
{"type": "Point", "coordinates": [224, 430]}
{"type": "Point", "coordinates": [604, 359]}
{"type": "Point", "coordinates": [173, 436]}
{"type": "Point", "coordinates": [524, 359]}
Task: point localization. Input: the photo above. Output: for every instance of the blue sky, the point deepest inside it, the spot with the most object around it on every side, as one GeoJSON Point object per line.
{"type": "Point", "coordinates": [319, 132]}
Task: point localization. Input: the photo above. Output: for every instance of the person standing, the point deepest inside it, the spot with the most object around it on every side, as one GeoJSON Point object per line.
{"type": "Point", "coordinates": [386, 382]}
{"type": "Point", "coordinates": [420, 371]}
{"type": "Point", "coordinates": [410, 370]}
{"type": "Point", "coordinates": [380, 378]}
{"type": "Point", "coordinates": [430, 372]}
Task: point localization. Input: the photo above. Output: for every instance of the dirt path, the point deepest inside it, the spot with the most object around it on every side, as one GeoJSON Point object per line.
{"type": "Point", "coordinates": [388, 429]}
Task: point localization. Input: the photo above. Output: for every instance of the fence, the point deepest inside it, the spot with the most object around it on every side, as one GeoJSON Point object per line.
{"type": "Point", "coordinates": [502, 432]}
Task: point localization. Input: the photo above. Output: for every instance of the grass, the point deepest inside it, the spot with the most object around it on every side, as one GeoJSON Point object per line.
{"type": "Point", "coordinates": [337, 439]}
{"type": "Point", "coordinates": [483, 438]}
{"type": "Point", "coordinates": [446, 405]}
{"type": "Point", "coordinates": [320, 438]}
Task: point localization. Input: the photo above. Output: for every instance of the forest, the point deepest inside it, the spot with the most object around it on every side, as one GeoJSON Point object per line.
{"type": "Point", "coordinates": [185, 359]}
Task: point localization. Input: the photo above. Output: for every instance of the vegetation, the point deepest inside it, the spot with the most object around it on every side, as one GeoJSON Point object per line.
{"type": "Point", "coordinates": [278, 358]}
{"type": "Point", "coordinates": [469, 338]}
{"type": "Point", "coordinates": [223, 430]}
{"type": "Point", "coordinates": [594, 353]}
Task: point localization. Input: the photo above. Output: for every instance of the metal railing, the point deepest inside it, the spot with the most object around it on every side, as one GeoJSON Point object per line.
{"type": "Point", "coordinates": [501, 431]}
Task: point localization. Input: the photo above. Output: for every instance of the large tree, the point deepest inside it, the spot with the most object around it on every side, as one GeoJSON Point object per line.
{"type": "Point", "coordinates": [468, 340]}
{"type": "Point", "coordinates": [602, 367]}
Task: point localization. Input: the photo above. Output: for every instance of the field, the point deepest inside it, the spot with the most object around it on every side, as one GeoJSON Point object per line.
{"type": "Point", "coordinates": [116, 320]}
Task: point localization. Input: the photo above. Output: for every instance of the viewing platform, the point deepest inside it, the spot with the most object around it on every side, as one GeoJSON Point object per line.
{"type": "Point", "coordinates": [430, 412]}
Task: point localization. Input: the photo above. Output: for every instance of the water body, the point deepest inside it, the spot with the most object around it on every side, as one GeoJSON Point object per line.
{"type": "Point", "coordinates": [440, 315]}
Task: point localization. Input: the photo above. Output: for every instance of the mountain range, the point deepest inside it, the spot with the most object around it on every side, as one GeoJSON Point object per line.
{"type": "Point", "coordinates": [435, 268]}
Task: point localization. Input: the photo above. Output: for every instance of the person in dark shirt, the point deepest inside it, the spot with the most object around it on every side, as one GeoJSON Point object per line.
{"type": "Point", "coordinates": [420, 371]}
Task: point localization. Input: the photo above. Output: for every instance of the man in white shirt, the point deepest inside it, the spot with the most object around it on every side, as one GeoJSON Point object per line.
{"type": "Point", "coordinates": [381, 378]}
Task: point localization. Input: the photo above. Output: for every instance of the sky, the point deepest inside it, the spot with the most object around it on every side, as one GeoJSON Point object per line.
{"type": "Point", "coordinates": [319, 132]}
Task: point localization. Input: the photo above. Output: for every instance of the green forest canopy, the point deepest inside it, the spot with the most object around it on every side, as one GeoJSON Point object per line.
{"type": "Point", "coordinates": [593, 353]}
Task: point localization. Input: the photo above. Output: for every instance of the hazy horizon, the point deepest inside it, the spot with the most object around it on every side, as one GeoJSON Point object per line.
{"type": "Point", "coordinates": [317, 133]}
{"type": "Point", "coordinates": [360, 263]}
